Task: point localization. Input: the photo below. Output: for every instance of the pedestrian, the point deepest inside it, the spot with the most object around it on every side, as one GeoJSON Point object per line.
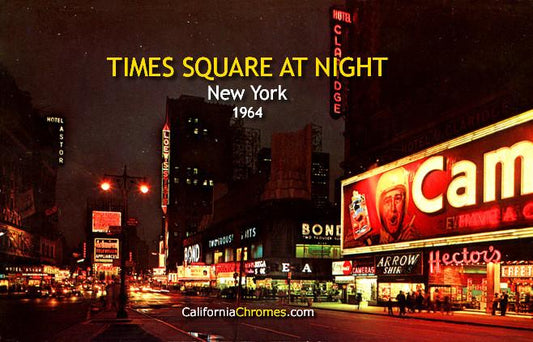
{"type": "Point", "coordinates": [109, 296]}
{"type": "Point", "coordinates": [429, 303]}
{"type": "Point", "coordinates": [402, 302]}
{"type": "Point", "coordinates": [411, 301]}
{"type": "Point", "coordinates": [116, 295]}
{"type": "Point", "coordinates": [438, 300]}
{"type": "Point", "coordinates": [359, 299]}
{"type": "Point", "coordinates": [389, 305]}
{"type": "Point", "coordinates": [495, 302]}
{"type": "Point", "coordinates": [503, 304]}
{"type": "Point", "coordinates": [419, 301]}
{"type": "Point", "coordinates": [448, 305]}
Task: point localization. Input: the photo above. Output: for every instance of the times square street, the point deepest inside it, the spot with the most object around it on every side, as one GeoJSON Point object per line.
{"type": "Point", "coordinates": [154, 316]}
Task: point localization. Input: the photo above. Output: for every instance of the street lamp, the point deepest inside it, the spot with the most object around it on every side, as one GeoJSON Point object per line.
{"type": "Point", "coordinates": [125, 183]}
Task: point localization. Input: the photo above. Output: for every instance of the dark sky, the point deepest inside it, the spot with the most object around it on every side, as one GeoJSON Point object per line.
{"type": "Point", "coordinates": [57, 50]}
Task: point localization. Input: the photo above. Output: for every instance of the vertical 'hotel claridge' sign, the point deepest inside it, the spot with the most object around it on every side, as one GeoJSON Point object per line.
{"type": "Point", "coordinates": [341, 23]}
{"type": "Point", "coordinates": [165, 166]}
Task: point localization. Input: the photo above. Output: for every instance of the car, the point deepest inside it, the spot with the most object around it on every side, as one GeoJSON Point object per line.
{"type": "Point", "coordinates": [36, 292]}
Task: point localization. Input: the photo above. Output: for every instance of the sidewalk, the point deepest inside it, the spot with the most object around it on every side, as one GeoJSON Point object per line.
{"type": "Point", "coordinates": [510, 321]}
{"type": "Point", "coordinates": [104, 326]}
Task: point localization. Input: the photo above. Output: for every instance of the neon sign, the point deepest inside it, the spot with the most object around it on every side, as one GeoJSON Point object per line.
{"type": "Point", "coordinates": [474, 184]}
{"type": "Point", "coordinates": [462, 190]}
{"type": "Point", "coordinates": [106, 249]}
{"type": "Point", "coordinates": [465, 257]}
{"type": "Point", "coordinates": [61, 135]}
{"type": "Point", "coordinates": [165, 167]}
{"type": "Point", "coordinates": [341, 22]}
{"type": "Point", "coordinates": [518, 271]}
{"type": "Point", "coordinates": [408, 263]}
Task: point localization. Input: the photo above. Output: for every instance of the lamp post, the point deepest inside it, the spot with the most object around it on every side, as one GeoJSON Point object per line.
{"type": "Point", "coordinates": [125, 183]}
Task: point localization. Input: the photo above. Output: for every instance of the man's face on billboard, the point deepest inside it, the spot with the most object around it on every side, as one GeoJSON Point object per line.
{"type": "Point", "coordinates": [392, 209]}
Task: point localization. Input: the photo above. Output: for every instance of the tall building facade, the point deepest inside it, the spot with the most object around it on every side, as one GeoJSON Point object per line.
{"type": "Point", "coordinates": [452, 93]}
{"type": "Point", "coordinates": [199, 167]}
{"type": "Point", "coordinates": [319, 175]}
{"type": "Point", "coordinates": [29, 237]}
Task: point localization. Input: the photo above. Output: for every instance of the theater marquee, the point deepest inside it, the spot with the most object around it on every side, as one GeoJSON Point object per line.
{"type": "Point", "coordinates": [473, 188]}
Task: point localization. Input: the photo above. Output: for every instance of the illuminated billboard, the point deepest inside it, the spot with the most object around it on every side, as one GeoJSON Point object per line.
{"type": "Point", "coordinates": [472, 188]}
{"type": "Point", "coordinates": [102, 220]}
{"type": "Point", "coordinates": [105, 250]}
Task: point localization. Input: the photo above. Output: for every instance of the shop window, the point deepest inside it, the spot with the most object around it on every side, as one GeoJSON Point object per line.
{"type": "Point", "coordinates": [391, 290]}
{"type": "Point", "coordinates": [242, 253]}
{"type": "Point", "coordinates": [219, 257]}
{"type": "Point", "coordinates": [318, 251]}
{"type": "Point", "coordinates": [257, 251]}
{"type": "Point", "coordinates": [209, 258]}
{"type": "Point", "coordinates": [228, 254]}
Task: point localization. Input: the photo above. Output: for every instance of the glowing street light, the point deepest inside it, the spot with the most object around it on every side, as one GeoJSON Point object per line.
{"type": "Point", "coordinates": [105, 186]}
{"type": "Point", "coordinates": [144, 188]}
{"type": "Point", "coordinates": [124, 183]}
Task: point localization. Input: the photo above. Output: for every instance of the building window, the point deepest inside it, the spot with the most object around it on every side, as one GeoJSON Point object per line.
{"type": "Point", "coordinates": [257, 251]}
{"type": "Point", "coordinates": [318, 251]}
{"type": "Point", "coordinates": [209, 258]}
{"type": "Point", "coordinates": [228, 254]}
{"type": "Point", "coordinates": [219, 257]}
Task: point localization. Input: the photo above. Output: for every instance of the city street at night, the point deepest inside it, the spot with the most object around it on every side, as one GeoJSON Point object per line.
{"type": "Point", "coordinates": [39, 319]}
{"type": "Point", "coordinates": [327, 325]}
{"type": "Point", "coordinates": [315, 170]}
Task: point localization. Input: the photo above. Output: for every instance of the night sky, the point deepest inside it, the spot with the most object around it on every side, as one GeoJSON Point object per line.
{"type": "Point", "coordinates": [56, 50]}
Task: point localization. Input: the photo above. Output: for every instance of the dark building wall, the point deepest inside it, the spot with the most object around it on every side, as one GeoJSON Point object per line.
{"type": "Point", "coordinates": [200, 157]}
{"type": "Point", "coordinates": [28, 173]}
{"type": "Point", "coordinates": [453, 67]}
{"type": "Point", "coordinates": [319, 175]}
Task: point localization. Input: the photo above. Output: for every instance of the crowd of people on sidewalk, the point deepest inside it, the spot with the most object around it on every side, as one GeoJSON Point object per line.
{"type": "Point", "coordinates": [500, 303]}
{"type": "Point", "coordinates": [418, 301]}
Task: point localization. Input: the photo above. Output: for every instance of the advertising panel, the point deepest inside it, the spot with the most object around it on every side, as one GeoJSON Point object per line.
{"type": "Point", "coordinates": [471, 185]}
{"type": "Point", "coordinates": [192, 253]}
{"type": "Point", "coordinates": [399, 264]}
{"type": "Point", "coordinates": [196, 272]}
{"type": "Point", "coordinates": [319, 233]}
{"type": "Point", "coordinates": [106, 249]}
{"type": "Point", "coordinates": [341, 267]}
{"type": "Point", "coordinates": [102, 220]}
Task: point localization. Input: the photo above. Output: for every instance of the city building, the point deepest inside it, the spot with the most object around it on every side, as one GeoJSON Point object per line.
{"type": "Point", "coordinates": [267, 231]}
{"type": "Point", "coordinates": [102, 251]}
{"type": "Point", "coordinates": [31, 247]}
{"type": "Point", "coordinates": [197, 155]}
{"type": "Point", "coordinates": [428, 203]}
{"type": "Point", "coordinates": [319, 175]}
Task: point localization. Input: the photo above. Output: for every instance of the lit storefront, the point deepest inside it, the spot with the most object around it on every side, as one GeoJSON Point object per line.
{"type": "Point", "coordinates": [398, 272]}
{"type": "Point", "coordinates": [366, 281]}
{"type": "Point", "coordinates": [457, 218]}
{"type": "Point", "coordinates": [196, 275]}
{"type": "Point", "coordinates": [20, 277]}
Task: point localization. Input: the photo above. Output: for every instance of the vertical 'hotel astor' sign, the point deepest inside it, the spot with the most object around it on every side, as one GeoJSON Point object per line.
{"type": "Point", "coordinates": [341, 22]}
{"type": "Point", "coordinates": [59, 122]}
